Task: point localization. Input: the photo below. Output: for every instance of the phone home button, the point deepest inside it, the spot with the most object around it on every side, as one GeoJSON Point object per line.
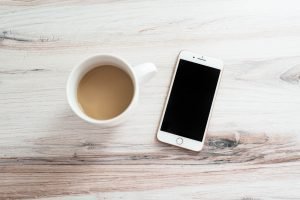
{"type": "Point", "coordinates": [179, 141]}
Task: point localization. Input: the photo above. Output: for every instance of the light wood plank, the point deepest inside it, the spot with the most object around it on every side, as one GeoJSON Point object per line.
{"type": "Point", "coordinates": [153, 181]}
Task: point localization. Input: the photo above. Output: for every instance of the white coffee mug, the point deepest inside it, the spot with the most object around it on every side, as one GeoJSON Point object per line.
{"type": "Point", "coordinates": [139, 74]}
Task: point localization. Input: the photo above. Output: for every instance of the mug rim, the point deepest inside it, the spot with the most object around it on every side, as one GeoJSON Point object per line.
{"type": "Point", "coordinates": [80, 113]}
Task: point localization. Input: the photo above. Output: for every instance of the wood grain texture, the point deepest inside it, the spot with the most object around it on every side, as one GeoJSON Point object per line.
{"type": "Point", "coordinates": [253, 145]}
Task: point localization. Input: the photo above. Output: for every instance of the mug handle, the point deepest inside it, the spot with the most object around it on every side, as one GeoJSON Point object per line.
{"type": "Point", "coordinates": [144, 72]}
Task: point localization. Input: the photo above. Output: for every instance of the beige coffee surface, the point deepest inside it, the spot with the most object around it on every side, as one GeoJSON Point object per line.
{"type": "Point", "coordinates": [105, 92]}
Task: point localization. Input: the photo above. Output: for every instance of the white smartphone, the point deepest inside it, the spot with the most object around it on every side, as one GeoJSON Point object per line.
{"type": "Point", "coordinates": [190, 100]}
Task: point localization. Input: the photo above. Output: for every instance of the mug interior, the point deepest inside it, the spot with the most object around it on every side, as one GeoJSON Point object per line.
{"type": "Point", "coordinates": [78, 73]}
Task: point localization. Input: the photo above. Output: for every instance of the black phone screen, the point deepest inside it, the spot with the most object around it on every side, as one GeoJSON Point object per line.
{"type": "Point", "coordinates": [190, 100]}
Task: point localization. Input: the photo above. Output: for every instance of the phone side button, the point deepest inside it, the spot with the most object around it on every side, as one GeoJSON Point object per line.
{"type": "Point", "coordinates": [179, 141]}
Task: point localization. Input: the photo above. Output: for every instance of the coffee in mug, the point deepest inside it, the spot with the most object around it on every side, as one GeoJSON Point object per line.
{"type": "Point", "coordinates": [105, 92]}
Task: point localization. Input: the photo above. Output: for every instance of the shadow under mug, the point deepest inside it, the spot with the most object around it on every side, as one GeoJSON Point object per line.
{"type": "Point", "coordinates": [139, 74]}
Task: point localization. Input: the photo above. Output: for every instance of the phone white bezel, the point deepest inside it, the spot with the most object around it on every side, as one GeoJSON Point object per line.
{"type": "Point", "coordinates": [171, 138]}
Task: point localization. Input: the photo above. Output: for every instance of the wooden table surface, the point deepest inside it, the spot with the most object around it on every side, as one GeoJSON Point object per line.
{"type": "Point", "coordinates": [253, 147]}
